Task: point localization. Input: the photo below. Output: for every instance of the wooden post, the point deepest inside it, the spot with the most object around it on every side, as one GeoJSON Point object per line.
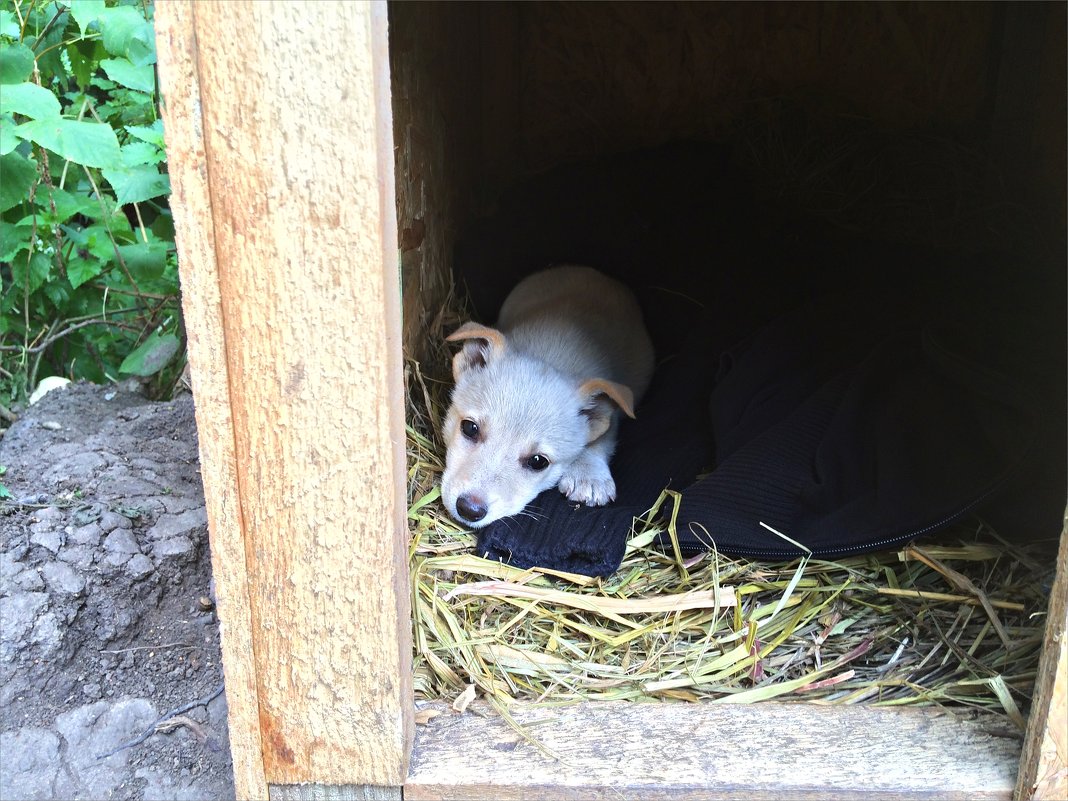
{"type": "Point", "coordinates": [280, 154]}
{"type": "Point", "coordinates": [1044, 763]}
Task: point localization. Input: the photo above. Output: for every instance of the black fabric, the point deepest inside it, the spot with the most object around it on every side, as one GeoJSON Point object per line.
{"type": "Point", "coordinates": [885, 435]}
{"type": "Point", "coordinates": [847, 425]}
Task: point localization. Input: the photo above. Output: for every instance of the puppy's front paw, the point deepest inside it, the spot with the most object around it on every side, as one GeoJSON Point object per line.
{"type": "Point", "coordinates": [588, 481]}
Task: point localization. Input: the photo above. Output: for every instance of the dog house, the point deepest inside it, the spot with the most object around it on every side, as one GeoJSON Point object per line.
{"type": "Point", "coordinates": [325, 158]}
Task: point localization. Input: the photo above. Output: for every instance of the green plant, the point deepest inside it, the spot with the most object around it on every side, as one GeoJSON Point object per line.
{"type": "Point", "coordinates": [88, 271]}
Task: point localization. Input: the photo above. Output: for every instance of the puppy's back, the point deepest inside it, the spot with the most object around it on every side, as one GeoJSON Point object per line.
{"type": "Point", "coordinates": [581, 322]}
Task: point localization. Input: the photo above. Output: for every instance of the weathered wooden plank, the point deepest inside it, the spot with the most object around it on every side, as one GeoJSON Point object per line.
{"type": "Point", "coordinates": [327, 792]}
{"type": "Point", "coordinates": [298, 383]}
{"type": "Point", "coordinates": [210, 374]}
{"type": "Point", "coordinates": [434, 56]}
{"type": "Point", "coordinates": [1044, 764]}
{"type": "Point", "coordinates": [616, 750]}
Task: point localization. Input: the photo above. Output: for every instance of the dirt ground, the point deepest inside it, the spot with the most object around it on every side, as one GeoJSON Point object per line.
{"type": "Point", "coordinates": [106, 618]}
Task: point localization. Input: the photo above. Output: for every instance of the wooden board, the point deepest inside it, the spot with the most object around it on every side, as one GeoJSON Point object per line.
{"type": "Point", "coordinates": [617, 750]}
{"type": "Point", "coordinates": [596, 78]}
{"type": "Point", "coordinates": [1044, 764]}
{"type": "Point", "coordinates": [326, 792]}
{"type": "Point", "coordinates": [209, 371]}
{"type": "Point", "coordinates": [434, 59]}
{"type": "Point", "coordinates": [280, 150]}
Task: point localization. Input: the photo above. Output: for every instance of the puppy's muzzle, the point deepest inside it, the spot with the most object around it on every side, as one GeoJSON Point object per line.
{"type": "Point", "coordinates": [471, 508]}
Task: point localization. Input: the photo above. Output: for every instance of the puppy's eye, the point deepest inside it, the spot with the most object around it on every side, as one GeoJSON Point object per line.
{"type": "Point", "coordinates": [469, 428]}
{"type": "Point", "coordinates": [537, 462]}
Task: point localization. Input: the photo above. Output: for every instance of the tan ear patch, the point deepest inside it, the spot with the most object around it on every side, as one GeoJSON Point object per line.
{"type": "Point", "coordinates": [619, 393]}
{"type": "Point", "coordinates": [482, 344]}
{"type": "Point", "coordinates": [493, 337]}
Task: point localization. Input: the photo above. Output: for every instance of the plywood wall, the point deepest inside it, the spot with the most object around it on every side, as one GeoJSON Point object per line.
{"type": "Point", "coordinates": [487, 94]}
{"type": "Point", "coordinates": [434, 66]}
{"type": "Point", "coordinates": [596, 77]}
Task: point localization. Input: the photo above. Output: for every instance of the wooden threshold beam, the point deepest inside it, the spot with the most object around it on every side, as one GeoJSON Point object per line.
{"type": "Point", "coordinates": [619, 750]}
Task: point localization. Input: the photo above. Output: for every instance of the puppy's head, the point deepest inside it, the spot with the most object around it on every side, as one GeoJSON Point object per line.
{"type": "Point", "coordinates": [513, 426]}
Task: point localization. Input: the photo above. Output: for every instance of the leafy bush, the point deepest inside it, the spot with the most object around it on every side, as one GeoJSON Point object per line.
{"type": "Point", "coordinates": [88, 271]}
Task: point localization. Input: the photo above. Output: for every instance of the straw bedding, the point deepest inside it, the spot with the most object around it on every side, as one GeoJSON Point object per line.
{"type": "Point", "coordinates": [953, 621]}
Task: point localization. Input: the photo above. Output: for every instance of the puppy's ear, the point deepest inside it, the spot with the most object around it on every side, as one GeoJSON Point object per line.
{"type": "Point", "coordinates": [598, 398]}
{"type": "Point", "coordinates": [481, 346]}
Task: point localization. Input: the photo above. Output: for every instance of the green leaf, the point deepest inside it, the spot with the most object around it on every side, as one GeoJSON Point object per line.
{"type": "Point", "coordinates": [163, 226]}
{"type": "Point", "coordinates": [67, 205]}
{"type": "Point", "coordinates": [105, 208]}
{"type": "Point", "coordinates": [16, 62]}
{"type": "Point", "coordinates": [90, 143]}
{"type": "Point", "coordinates": [13, 239]}
{"type": "Point", "coordinates": [8, 140]}
{"type": "Point", "coordinates": [93, 240]}
{"type": "Point", "coordinates": [39, 268]}
{"type": "Point", "coordinates": [9, 26]}
{"type": "Point", "coordinates": [86, 12]}
{"type": "Point", "coordinates": [79, 238]}
{"type": "Point", "coordinates": [18, 173]}
{"type": "Point", "coordinates": [145, 259]}
{"type": "Point", "coordinates": [97, 242]}
{"type": "Point", "coordinates": [30, 100]}
{"type": "Point", "coordinates": [126, 33]}
{"type": "Point", "coordinates": [137, 184]}
{"type": "Point", "coordinates": [142, 50]}
{"type": "Point", "coordinates": [153, 134]}
{"type": "Point", "coordinates": [81, 270]}
{"type": "Point", "coordinates": [82, 64]}
{"type": "Point", "coordinates": [134, 154]}
{"type": "Point", "coordinates": [58, 292]}
{"type": "Point", "coordinates": [152, 355]}
{"type": "Point", "coordinates": [49, 56]}
{"type": "Point", "coordinates": [122, 71]}
{"type": "Point", "coordinates": [129, 107]}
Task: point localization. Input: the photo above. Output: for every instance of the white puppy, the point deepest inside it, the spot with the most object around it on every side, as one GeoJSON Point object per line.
{"type": "Point", "coordinates": [537, 399]}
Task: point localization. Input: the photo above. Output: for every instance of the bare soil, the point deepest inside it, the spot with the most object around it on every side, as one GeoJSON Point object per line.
{"type": "Point", "coordinates": [106, 604]}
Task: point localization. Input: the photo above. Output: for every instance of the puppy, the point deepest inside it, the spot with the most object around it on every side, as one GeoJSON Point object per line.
{"type": "Point", "coordinates": [538, 398]}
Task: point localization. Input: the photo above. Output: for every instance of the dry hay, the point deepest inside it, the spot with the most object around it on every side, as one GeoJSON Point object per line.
{"type": "Point", "coordinates": [956, 622]}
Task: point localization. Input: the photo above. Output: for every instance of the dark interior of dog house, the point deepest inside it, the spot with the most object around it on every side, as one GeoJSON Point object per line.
{"type": "Point", "coordinates": [783, 186]}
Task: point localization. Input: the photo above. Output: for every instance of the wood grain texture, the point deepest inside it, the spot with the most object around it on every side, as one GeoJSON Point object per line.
{"type": "Point", "coordinates": [210, 374]}
{"type": "Point", "coordinates": [434, 60]}
{"type": "Point", "coordinates": [616, 750]}
{"type": "Point", "coordinates": [500, 74]}
{"type": "Point", "coordinates": [597, 78]}
{"type": "Point", "coordinates": [327, 792]}
{"type": "Point", "coordinates": [305, 434]}
{"type": "Point", "coordinates": [1044, 764]}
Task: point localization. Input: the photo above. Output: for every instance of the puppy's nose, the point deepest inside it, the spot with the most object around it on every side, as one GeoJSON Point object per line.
{"type": "Point", "coordinates": [471, 507]}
